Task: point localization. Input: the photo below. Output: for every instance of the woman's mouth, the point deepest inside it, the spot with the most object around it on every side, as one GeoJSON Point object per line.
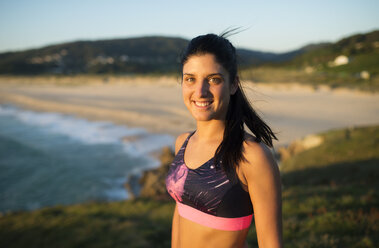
{"type": "Point", "coordinates": [202, 104]}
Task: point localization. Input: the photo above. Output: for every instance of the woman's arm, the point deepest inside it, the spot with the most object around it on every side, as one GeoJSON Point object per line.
{"type": "Point", "coordinates": [263, 180]}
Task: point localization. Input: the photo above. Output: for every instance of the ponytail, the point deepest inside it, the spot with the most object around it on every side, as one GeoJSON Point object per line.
{"type": "Point", "coordinates": [230, 152]}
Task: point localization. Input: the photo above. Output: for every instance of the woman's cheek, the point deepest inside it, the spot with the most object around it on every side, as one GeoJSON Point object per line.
{"type": "Point", "coordinates": [186, 97]}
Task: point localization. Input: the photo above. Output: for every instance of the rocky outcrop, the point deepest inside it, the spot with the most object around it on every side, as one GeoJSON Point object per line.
{"type": "Point", "coordinates": [152, 182]}
{"type": "Point", "coordinates": [300, 145]}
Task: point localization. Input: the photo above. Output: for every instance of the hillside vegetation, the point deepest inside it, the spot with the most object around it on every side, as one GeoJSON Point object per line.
{"type": "Point", "coordinates": [121, 56]}
{"type": "Point", "coordinates": [351, 62]}
{"type": "Point", "coordinates": [330, 199]}
{"type": "Point", "coordinates": [134, 55]}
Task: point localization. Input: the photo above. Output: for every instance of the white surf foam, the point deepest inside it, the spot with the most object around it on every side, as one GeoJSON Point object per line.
{"type": "Point", "coordinates": [91, 132]}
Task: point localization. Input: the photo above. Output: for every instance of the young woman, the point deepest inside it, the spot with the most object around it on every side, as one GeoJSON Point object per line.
{"type": "Point", "coordinates": [221, 175]}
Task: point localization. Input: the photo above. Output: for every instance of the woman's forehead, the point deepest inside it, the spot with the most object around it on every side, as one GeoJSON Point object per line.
{"type": "Point", "coordinates": [203, 63]}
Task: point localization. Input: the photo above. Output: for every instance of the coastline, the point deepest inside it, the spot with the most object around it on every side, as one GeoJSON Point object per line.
{"type": "Point", "coordinates": [155, 103]}
{"type": "Point", "coordinates": [49, 158]}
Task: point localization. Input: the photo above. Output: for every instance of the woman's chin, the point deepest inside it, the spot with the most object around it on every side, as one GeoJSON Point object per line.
{"type": "Point", "coordinates": [202, 117]}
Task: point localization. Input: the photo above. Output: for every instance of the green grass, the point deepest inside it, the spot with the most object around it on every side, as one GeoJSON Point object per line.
{"type": "Point", "coordinates": [139, 223]}
{"type": "Point", "coordinates": [330, 196]}
{"type": "Point", "coordinates": [330, 199]}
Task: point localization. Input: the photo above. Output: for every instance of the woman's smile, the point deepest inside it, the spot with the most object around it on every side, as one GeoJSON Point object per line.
{"type": "Point", "coordinates": [202, 104]}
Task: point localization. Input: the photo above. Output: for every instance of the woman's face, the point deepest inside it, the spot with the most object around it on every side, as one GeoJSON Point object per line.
{"type": "Point", "coordinates": [206, 88]}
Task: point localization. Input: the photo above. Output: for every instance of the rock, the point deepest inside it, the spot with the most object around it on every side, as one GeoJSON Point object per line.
{"type": "Point", "coordinates": [152, 182]}
{"type": "Point", "coordinates": [311, 141]}
{"type": "Point", "coordinates": [308, 142]}
{"type": "Point", "coordinates": [132, 186]}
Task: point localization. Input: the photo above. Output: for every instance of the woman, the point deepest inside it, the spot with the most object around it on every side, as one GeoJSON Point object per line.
{"type": "Point", "coordinates": [221, 174]}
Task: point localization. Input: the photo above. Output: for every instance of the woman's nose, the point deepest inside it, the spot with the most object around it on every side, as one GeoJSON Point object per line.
{"type": "Point", "coordinates": [202, 89]}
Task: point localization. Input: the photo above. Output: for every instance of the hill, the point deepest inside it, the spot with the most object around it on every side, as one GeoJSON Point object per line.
{"type": "Point", "coordinates": [135, 55]}
{"type": "Point", "coordinates": [352, 62]}
{"type": "Point", "coordinates": [119, 56]}
{"type": "Point", "coordinates": [361, 52]}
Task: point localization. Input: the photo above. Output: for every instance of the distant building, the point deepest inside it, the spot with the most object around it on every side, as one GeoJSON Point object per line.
{"type": "Point", "coordinates": [339, 60]}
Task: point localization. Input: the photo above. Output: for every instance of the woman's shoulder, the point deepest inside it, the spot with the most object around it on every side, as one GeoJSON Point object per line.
{"type": "Point", "coordinates": [180, 140]}
{"type": "Point", "coordinates": [258, 157]}
{"type": "Point", "coordinates": [253, 147]}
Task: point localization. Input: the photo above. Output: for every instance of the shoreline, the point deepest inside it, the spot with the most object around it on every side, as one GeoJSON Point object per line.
{"type": "Point", "coordinates": [155, 103]}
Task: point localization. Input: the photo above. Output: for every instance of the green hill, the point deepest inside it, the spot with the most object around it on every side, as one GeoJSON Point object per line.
{"type": "Point", "coordinates": [330, 199]}
{"type": "Point", "coordinates": [351, 62]}
{"type": "Point", "coordinates": [120, 56]}
{"type": "Point", "coordinates": [134, 55]}
{"type": "Point", "coordinates": [362, 51]}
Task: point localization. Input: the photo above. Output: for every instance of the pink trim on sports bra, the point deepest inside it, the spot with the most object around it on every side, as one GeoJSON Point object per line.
{"type": "Point", "coordinates": [220, 223]}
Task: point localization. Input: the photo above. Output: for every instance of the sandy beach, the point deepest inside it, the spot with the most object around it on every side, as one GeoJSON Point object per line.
{"type": "Point", "coordinates": [292, 110]}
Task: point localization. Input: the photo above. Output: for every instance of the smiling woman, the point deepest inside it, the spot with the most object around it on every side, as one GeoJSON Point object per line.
{"type": "Point", "coordinates": [221, 175]}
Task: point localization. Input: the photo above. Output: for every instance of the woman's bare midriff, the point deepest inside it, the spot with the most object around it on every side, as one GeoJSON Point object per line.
{"type": "Point", "coordinates": [193, 235]}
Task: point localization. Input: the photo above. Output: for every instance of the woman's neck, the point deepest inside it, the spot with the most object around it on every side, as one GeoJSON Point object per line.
{"type": "Point", "coordinates": [210, 131]}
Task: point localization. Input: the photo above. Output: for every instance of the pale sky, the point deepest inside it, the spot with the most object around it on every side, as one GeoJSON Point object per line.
{"type": "Point", "coordinates": [276, 26]}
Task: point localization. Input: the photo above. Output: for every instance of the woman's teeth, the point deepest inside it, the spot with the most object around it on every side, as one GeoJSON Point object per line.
{"type": "Point", "coordinates": [202, 104]}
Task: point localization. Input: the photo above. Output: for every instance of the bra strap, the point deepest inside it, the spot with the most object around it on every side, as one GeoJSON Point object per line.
{"type": "Point", "coordinates": [184, 146]}
{"type": "Point", "coordinates": [188, 137]}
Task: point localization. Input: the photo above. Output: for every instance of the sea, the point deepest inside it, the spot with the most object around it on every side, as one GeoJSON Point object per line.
{"type": "Point", "coordinates": [49, 159]}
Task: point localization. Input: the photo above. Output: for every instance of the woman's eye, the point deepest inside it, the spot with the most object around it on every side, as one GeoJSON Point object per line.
{"type": "Point", "coordinates": [189, 79]}
{"type": "Point", "coordinates": [215, 80]}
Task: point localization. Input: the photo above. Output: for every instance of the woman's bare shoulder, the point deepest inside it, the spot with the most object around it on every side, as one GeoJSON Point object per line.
{"type": "Point", "coordinates": [180, 140]}
{"type": "Point", "coordinates": [259, 157]}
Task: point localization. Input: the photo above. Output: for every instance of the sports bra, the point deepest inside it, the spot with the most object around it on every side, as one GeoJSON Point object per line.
{"type": "Point", "coordinates": [207, 195]}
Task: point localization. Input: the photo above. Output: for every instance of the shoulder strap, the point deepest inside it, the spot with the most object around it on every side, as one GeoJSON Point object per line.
{"type": "Point", "coordinates": [184, 145]}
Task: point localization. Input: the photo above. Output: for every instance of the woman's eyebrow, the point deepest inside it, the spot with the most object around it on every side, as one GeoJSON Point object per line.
{"type": "Point", "coordinates": [216, 74]}
{"type": "Point", "coordinates": [210, 75]}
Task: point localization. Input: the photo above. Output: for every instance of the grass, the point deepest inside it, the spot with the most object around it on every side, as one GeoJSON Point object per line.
{"type": "Point", "coordinates": [330, 199]}
{"type": "Point", "coordinates": [330, 196]}
{"type": "Point", "coordinates": [140, 223]}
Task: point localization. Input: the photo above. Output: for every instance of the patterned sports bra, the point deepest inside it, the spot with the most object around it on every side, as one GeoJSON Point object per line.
{"type": "Point", "coordinates": [207, 196]}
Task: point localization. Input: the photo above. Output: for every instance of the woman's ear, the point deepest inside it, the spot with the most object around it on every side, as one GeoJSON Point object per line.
{"type": "Point", "coordinates": [234, 86]}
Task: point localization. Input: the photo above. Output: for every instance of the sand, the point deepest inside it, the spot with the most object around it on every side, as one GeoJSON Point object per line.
{"type": "Point", "coordinates": [292, 110]}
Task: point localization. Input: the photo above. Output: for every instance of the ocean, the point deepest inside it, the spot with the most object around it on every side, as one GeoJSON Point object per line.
{"type": "Point", "coordinates": [51, 159]}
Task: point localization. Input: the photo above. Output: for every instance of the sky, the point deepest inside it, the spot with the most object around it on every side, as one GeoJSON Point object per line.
{"type": "Point", "coordinates": [273, 26]}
